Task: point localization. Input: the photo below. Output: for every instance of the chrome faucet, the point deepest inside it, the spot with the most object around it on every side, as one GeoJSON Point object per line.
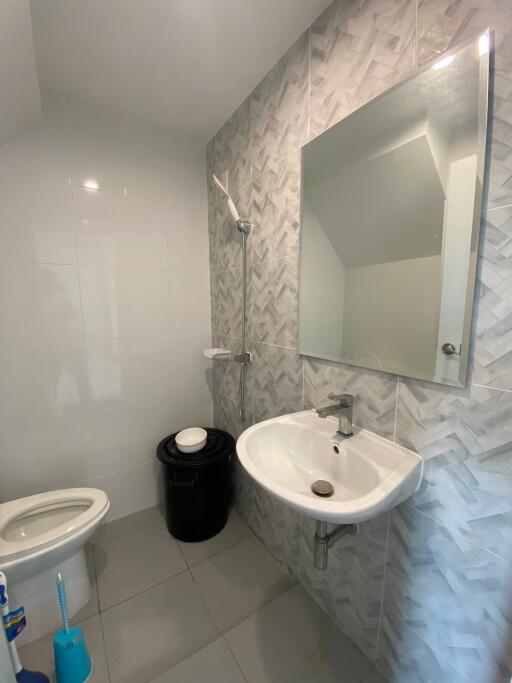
{"type": "Point", "coordinates": [341, 409]}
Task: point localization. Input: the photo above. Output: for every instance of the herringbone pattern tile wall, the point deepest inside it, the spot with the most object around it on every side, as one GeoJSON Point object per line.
{"type": "Point", "coordinates": [426, 590]}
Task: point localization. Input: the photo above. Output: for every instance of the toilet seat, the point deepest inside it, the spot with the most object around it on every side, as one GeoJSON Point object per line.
{"type": "Point", "coordinates": [45, 510]}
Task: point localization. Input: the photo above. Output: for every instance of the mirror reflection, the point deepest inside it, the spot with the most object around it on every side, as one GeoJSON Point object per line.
{"type": "Point", "coordinates": [390, 215]}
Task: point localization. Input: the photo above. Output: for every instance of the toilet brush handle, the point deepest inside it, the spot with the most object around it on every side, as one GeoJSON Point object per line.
{"type": "Point", "coordinates": [61, 590]}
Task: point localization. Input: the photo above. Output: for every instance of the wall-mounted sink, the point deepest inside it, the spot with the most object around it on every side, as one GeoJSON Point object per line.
{"type": "Point", "coordinates": [368, 474]}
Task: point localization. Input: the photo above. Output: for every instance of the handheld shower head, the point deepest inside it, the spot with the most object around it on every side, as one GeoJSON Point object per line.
{"type": "Point", "coordinates": [231, 204]}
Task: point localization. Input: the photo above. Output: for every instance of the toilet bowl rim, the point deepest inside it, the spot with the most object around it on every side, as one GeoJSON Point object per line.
{"type": "Point", "coordinates": [13, 551]}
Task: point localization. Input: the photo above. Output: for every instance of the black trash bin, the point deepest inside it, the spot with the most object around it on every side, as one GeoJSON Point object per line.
{"type": "Point", "coordinates": [198, 486]}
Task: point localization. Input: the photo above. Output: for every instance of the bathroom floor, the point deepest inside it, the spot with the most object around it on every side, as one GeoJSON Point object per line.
{"type": "Point", "coordinates": [221, 611]}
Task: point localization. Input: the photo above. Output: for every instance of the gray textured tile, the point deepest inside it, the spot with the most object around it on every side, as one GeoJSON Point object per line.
{"type": "Point", "coordinates": [276, 209]}
{"type": "Point", "coordinates": [465, 436]}
{"type": "Point", "coordinates": [364, 555]}
{"type": "Point", "coordinates": [215, 301]}
{"type": "Point", "coordinates": [443, 23]}
{"type": "Point", "coordinates": [229, 238]}
{"type": "Point", "coordinates": [275, 286]}
{"type": "Point", "coordinates": [239, 581]}
{"type": "Point", "coordinates": [210, 169]}
{"type": "Point", "coordinates": [234, 532]}
{"type": "Point", "coordinates": [226, 373]}
{"type": "Point", "coordinates": [358, 49]}
{"type": "Point", "coordinates": [453, 594]}
{"type": "Point", "coordinates": [274, 523]}
{"type": "Point", "coordinates": [219, 157]}
{"type": "Point", "coordinates": [226, 414]}
{"type": "Point", "coordinates": [374, 392]}
{"type": "Point", "coordinates": [244, 485]}
{"type": "Point", "coordinates": [492, 345]}
{"type": "Point", "coordinates": [233, 148]}
{"type": "Point", "coordinates": [230, 303]}
{"type": "Point", "coordinates": [404, 658]}
{"type": "Point", "coordinates": [277, 381]}
{"type": "Point", "coordinates": [343, 596]}
{"type": "Point", "coordinates": [279, 108]}
{"type": "Point", "coordinates": [291, 640]}
{"type": "Point", "coordinates": [500, 172]}
{"type": "Point", "coordinates": [121, 553]}
{"type": "Point", "coordinates": [154, 631]}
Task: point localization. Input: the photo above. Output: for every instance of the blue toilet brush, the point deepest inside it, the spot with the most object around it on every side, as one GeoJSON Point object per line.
{"type": "Point", "coordinates": [72, 661]}
{"type": "Point", "coordinates": [22, 675]}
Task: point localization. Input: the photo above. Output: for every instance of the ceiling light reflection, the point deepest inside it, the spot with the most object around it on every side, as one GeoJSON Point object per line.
{"type": "Point", "coordinates": [483, 44]}
{"type": "Point", "coordinates": [91, 184]}
{"type": "Point", "coordinates": [443, 63]}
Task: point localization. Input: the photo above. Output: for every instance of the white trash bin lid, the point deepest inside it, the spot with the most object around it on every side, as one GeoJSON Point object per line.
{"type": "Point", "coordinates": [191, 440]}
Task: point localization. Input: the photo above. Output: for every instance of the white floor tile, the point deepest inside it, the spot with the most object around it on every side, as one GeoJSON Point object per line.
{"type": "Point", "coordinates": [154, 631]}
{"type": "Point", "coordinates": [292, 641]}
{"type": "Point", "coordinates": [236, 530]}
{"type": "Point", "coordinates": [239, 581]}
{"type": "Point", "coordinates": [38, 656]}
{"type": "Point", "coordinates": [133, 554]}
{"type": "Point", "coordinates": [213, 664]}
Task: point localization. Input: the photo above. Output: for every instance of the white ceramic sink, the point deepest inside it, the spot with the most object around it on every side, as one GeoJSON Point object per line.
{"type": "Point", "coordinates": [369, 474]}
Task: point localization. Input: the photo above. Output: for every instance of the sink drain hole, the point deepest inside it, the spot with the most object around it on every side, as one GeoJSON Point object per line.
{"type": "Point", "coordinates": [322, 488]}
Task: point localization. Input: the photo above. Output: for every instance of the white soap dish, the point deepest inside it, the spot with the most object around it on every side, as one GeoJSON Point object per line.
{"type": "Point", "coordinates": [217, 354]}
{"type": "Point", "coordinates": [191, 440]}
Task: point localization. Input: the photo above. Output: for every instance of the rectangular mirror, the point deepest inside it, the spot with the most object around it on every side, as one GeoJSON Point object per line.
{"type": "Point", "coordinates": [390, 218]}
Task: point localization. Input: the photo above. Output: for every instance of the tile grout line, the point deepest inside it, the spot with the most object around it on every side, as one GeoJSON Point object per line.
{"type": "Point", "coordinates": [397, 395]}
{"type": "Point", "coordinates": [77, 267]}
{"type": "Point", "coordinates": [229, 547]}
{"type": "Point", "coordinates": [496, 208]}
{"type": "Point", "coordinates": [119, 406]}
{"type": "Point", "coordinates": [202, 598]}
{"type": "Point", "coordinates": [277, 346]}
{"type": "Point", "coordinates": [107, 658]}
{"type": "Point", "coordinates": [294, 584]}
{"type": "Point", "coordinates": [251, 264]}
{"type": "Point", "coordinates": [144, 590]}
{"type": "Point", "coordinates": [97, 340]}
{"type": "Point", "coordinates": [488, 386]}
{"type": "Point", "coordinates": [232, 653]}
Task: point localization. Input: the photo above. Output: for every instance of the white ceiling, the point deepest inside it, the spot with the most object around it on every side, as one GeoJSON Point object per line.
{"type": "Point", "coordinates": [182, 65]}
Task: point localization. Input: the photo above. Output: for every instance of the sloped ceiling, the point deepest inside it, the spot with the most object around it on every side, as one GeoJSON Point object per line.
{"type": "Point", "coordinates": [377, 211]}
{"type": "Point", "coordinates": [20, 102]}
{"type": "Point", "coordinates": [180, 65]}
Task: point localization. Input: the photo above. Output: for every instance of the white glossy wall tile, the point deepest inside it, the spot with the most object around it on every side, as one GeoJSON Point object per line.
{"type": "Point", "coordinates": [104, 305]}
{"type": "Point", "coordinates": [120, 302]}
{"type": "Point", "coordinates": [50, 302]}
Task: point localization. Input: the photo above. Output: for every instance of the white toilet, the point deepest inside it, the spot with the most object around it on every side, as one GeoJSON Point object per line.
{"type": "Point", "coordinates": [40, 536]}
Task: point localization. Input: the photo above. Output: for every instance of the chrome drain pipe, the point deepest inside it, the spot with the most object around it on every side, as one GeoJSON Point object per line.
{"type": "Point", "coordinates": [323, 540]}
